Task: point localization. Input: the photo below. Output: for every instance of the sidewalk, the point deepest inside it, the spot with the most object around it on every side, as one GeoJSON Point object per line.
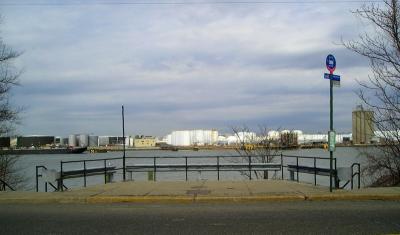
{"type": "Point", "coordinates": [200, 191]}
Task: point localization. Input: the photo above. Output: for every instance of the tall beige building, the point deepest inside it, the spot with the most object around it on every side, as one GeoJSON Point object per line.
{"type": "Point", "coordinates": [362, 125]}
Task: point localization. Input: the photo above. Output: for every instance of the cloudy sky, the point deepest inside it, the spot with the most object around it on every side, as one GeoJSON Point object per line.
{"type": "Point", "coordinates": [181, 66]}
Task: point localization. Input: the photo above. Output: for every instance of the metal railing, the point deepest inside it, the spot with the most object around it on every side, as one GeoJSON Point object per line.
{"type": "Point", "coordinates": [4, 186]}
{"type": "Point", "coordinates": [41, 175]}
{"type": "Point", "coordinates": [215, 165]}
{"type": "Point", "coordinates": [242, 164]}
{"type": "Point", "coordinates": [315, 168]}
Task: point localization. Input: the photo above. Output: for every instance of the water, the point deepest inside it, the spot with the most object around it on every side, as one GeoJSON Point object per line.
{"type": "Point", "coordinates": [345, 157]}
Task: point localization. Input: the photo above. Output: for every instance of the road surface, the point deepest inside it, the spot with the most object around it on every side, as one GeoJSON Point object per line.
{"type": "Point", "coordinates": [340, 217]}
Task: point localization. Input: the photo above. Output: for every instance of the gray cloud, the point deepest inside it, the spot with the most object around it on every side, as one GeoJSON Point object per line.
{"type": "Point", "coordinates": [180, 67]}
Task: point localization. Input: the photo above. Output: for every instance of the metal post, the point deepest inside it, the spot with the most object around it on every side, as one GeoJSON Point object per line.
{"type": "Point", "coordinates": [315, 171]}
{"type": "Point", "coordinates": [37, 180]}
{"type": "Point", "coordinates": [297, 167]}
{"type": "Point", "coordinates": [186, 168]}
{"type": "Point", "coordinates": [352, 175]}
{"type": "Point", "coordinates": [45, 187]}
{"type": "Point", "coordinates": [154, 175]}
{"type": "Point", "coordinates": [84, 173]}
{"type": "Point", "coordinates": [331, 129]}
{"type": "Point", "coordinates": [358, 174]}
{"type": "Point", "coordinates": [123, 143]}
{"type": "Point", "coordinates": [105, 171]}
{"type": "Point", "coordinates": [359, 169]}
{"type": "Point", "coordinates": [250, 166]}
{"type": "Point", "coordinates": [282, 165]}
{"type": "Point", "coordinates": [336, 177]}
{"type": "Point", "coordinates": [60, 181]}
{"type": "Point", "coordinates": [218, 167]}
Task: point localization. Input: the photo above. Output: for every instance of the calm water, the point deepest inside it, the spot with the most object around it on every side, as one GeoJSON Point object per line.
{"type": "Point", "coordinates": [345, 157]}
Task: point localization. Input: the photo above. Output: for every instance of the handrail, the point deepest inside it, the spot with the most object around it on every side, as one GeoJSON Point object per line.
{"type": "Point", "coordinates": [94, 160]}
{"type": "Point", "coordinates": [249, 164]}
{"type": "Point", "coordinates": [37, 177]}
{"type": "Point", "coordinates": [305, 157]}
{"type": "Point", "coordinates": [45, 184]}
{"type": "Point", "coordinates": [355, 174]}
{"type": "Point", "coordinates": [4, 184]}
{"type": "Point", "coordinates": [297, 164]}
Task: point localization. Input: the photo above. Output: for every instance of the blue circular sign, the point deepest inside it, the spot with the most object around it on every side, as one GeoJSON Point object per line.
{"type": "Point", "coordinates": [330, 63]}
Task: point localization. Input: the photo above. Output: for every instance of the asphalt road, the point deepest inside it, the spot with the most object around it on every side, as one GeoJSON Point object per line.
{"type": "Point", "coordinates": [366, 217]}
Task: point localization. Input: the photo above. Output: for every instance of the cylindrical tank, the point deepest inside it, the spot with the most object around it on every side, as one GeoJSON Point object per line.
{"type": "Point", "coordinates": [93, 141]}
{"type": "Point", "coordinates": [298, 132]}
{"type": "Point", "coordinates": [72, 140]}
{"type": "Point", "coordinates": [104, 140]}
{"type": "Point", "coordinates": [83, 140]}
{"type": "Point", "coordinates": [273, 135]}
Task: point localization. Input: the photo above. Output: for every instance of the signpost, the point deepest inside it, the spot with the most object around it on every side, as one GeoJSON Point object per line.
{"type": "Point", "coordinates": [332, 140]}
{"type": "Point", "coordinates": [334, 80]}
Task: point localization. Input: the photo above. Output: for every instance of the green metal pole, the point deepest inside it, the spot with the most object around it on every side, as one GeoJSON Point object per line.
{"type": "Point", "coordinates": [331, 129]}
{"type": "Point", "coordinates": [123, 143]}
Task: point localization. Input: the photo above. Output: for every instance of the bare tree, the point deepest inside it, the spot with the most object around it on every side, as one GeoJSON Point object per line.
{"type": "Point", "coordinates": [381, 93]}
{"type": "Point", "coordinates": [8, 114]}
{"type": "Point", "coordinates": [10, 173]}
{"type": "Point", "coordinates": [259, 146]}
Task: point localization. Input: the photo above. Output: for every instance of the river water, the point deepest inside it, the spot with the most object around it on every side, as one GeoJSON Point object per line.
{"type": "Point", "coordinates": [27, 164]}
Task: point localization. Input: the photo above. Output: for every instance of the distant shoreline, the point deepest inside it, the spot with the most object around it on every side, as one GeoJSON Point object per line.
{"type": "Point", "coordinates": [203, 148]}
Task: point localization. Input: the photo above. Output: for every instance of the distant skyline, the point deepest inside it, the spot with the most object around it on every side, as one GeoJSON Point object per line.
{"type": "Point", "coordinates": [176, 67]}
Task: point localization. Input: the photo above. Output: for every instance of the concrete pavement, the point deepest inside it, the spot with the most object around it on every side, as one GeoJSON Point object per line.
{"type": "Point", "coordinates": [200, 191]}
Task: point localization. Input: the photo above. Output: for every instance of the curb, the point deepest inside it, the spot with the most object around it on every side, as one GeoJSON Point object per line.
{"type": "Point", "coordinates": [353, 197]}
{"type": "Point", "coordinates": [260, 198]}
{"type": "Point", "coordinates": [38, 200]}
{"type": "Point", "coordinates": [198, 199]}
{"type": "Point", "coordinates": [191, 199]}
{"type": "Point", "coordinates": [140, 199]}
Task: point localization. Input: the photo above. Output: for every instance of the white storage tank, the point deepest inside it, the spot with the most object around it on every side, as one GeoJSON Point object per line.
{"type": "Point", "coordinates": [72, 140]}
{"type": "Point", "coordinates": [298, 132]}
{"type": "Point", "coordinates": [273, 135]}
{"type": "Point", "coordinates": [83, 140]}
{"type": "Point", "coordinates": [93, 141]}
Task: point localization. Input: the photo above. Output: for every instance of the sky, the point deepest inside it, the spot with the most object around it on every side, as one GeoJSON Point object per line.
{"type": "Point", "coordinates": [181, 66]}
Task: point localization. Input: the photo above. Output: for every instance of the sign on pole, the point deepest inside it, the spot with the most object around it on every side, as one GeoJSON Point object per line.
{"type": "Point", "coordinates": [332, 77]}
{"type": "Point", "coordinates": [331, 63]}
{"type": "Point", "coordinates": [336, 83]}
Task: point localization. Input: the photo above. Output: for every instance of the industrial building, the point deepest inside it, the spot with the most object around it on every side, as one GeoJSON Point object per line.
{"type": "Point", "coordinates": [323, 138]}
{"type": "Point", "coordinates": [34, 141]}
{"type": "Point", "coordinates": [285, 138]}
{"type": "Point", "coordinates": [193, 138]}
{"type": "Point", "coordinates": [362, 126]}
{"type": "Point", "coordinates": [112, 140]}
{"type": "Point", "coordinates": [144, 142]}
{"type": "Point", "coordinates": [5, 142]}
